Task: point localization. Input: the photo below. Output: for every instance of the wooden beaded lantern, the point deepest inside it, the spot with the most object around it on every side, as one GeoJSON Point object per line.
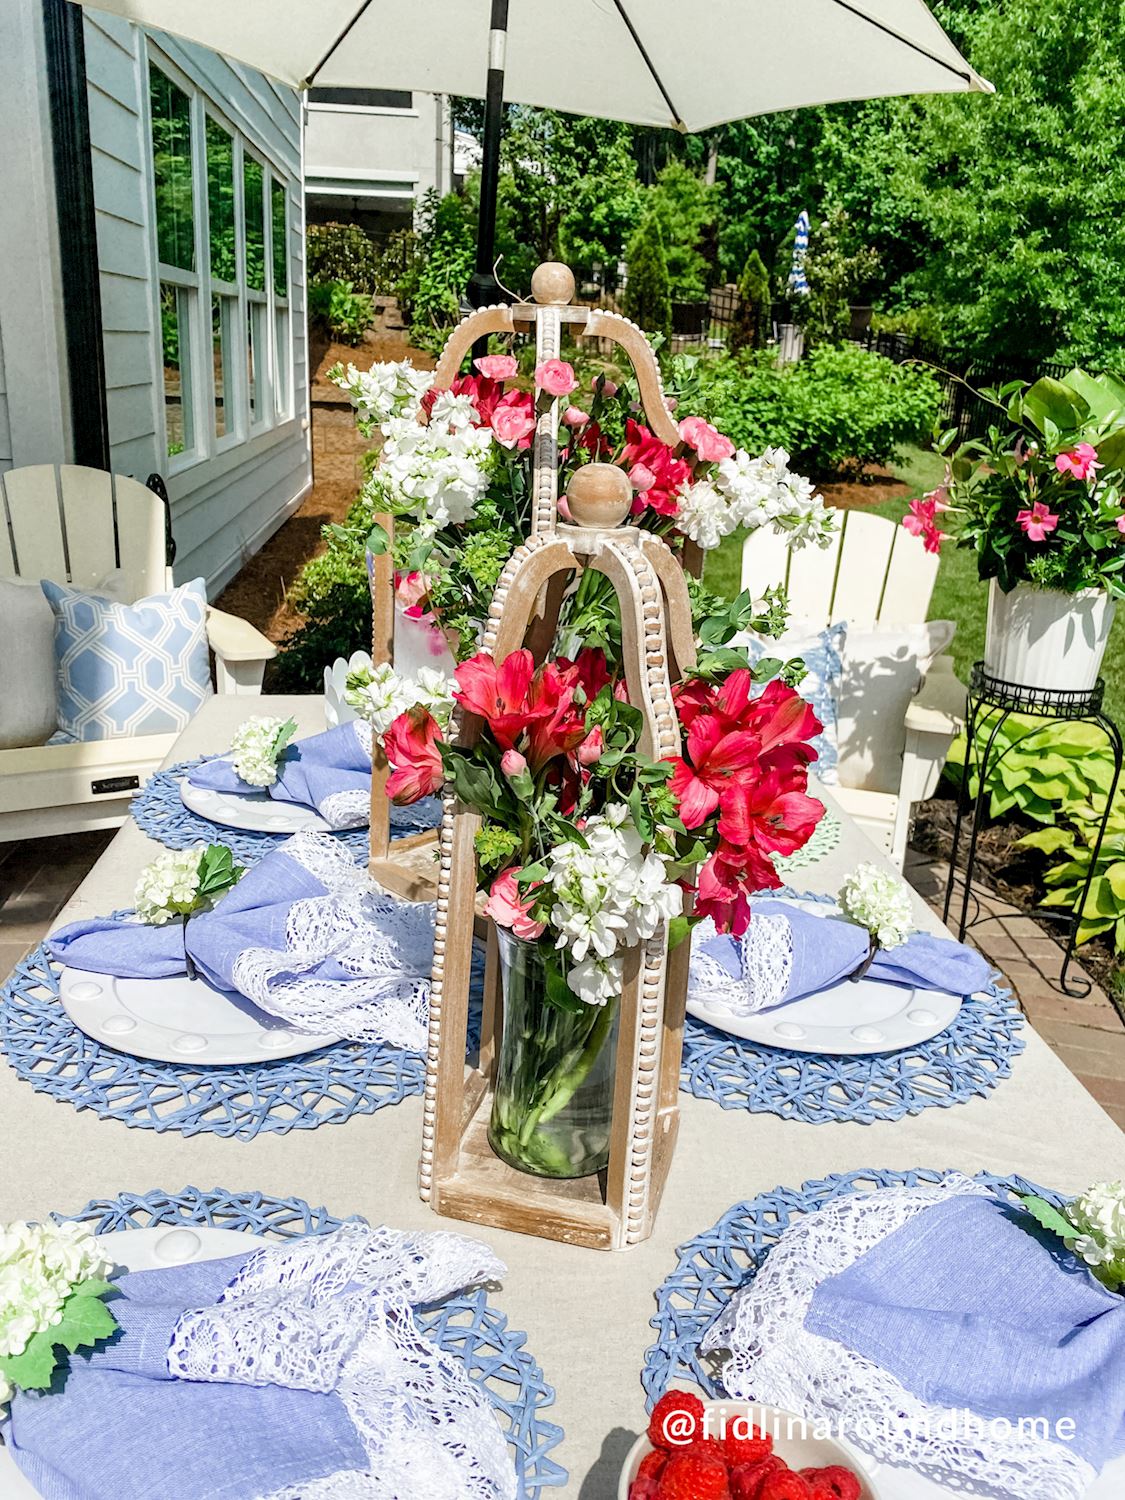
{"type": "Point", "coordinates": [459, 1174]}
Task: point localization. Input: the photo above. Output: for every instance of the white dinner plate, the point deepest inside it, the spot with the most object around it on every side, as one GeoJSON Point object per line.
{"type": "Point", "coordinates": [253, 812]}
{"type": "Point", "coordinates": [178, 1020]}
{"type": "Point", "coordinates": [146, 1250]}
{"type": "Point", "coordinates": [850, 1019]}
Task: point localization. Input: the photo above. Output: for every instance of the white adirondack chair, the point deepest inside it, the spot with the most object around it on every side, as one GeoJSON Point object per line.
{"type": "Point", "coordinates": [873, 573]}
{"type": "Point", "coordinates": [76, 526]}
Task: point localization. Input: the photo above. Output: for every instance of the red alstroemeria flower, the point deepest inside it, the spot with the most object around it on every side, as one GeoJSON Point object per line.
{"type": "Point", "coordinates": [780, 716]}
{"type": "Point", "coordinates": [761, 813]}
{"type": "Point", "coordinates": [588, 671]}
{"type": "Point", "coordinates": [411, 746]}
{"type": "Point", "coordinates": [727, 881]}
{"type": "Point", "coordinates": [556, 724]}
{"type": "Point", "coordinates": [646, 453]}
{"type": "Point", "coordinates": [715, 761]}
{"type": "Point", "coordinates": [499, 694]}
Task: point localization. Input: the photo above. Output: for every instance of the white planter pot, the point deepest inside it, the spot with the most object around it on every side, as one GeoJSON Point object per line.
{"type": "Point", "coordinates": [1045, 639]}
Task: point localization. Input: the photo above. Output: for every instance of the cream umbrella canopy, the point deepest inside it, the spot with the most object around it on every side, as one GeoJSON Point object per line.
{"type": "Point", "coordinates": [689, 65]}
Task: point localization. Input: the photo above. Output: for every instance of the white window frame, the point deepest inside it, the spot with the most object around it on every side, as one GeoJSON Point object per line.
{"type": "Point", "coordinates": [271, 414]}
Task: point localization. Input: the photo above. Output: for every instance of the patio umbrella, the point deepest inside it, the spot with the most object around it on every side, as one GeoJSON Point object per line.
{"type": "Point", "coordinates": [649, 62]}
{"type": "Point", "coordinates": [798, 282]}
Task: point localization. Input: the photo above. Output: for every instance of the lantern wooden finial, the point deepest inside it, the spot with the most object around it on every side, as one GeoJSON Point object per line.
{"type": "Point", "coordinates": [552, 282]}
{"type": "Point", "coordinates": [599, 496]}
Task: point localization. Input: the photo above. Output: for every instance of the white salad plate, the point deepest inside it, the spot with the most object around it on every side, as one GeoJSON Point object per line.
{"type": "Point", "coordinates": [178, 1020]}
{"type": "Point", "coordinates": [253, 812]}
{"type": "Point", "coordinates": [855, 1018]}
{"type": "Point", "coordinates": [146, 1250]}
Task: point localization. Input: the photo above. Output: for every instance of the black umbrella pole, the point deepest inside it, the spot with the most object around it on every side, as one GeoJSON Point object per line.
{"type": "Point", "coordinates": [483, 286]}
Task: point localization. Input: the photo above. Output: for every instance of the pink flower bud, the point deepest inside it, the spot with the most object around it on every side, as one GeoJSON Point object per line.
{"type": "Point", "coordinates": [574, 416]}
{"type": "Point", "coordinates": [590, 750]}
{"type": "Point", "coordinates": [608, 390]}
{"type": "Point", "coordinates": [641, 478]}
{"type": "Point", "coordinates": [512, 763]}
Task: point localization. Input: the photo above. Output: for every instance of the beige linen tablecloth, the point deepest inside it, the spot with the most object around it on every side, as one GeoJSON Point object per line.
{"type": "Point", "coordinates": [586, 1313]}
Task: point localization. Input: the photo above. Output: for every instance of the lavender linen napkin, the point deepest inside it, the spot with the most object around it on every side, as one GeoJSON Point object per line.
{"type": "Point", "coordinates": [825, 950]}
{"type": "Point", "coordinates": [329, 772]}
{"type": "Point", "coordinates": [121, 1428]}
{"type": "Point", "coordinates": [970, 1306]}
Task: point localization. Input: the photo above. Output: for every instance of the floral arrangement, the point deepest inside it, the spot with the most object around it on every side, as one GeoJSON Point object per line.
{"type": "Point", "coordinates": [454, 471]}
{"type": "Point", "coordinates": [181, 882]}
{"type": "Point", "coordinates": [873, 898]}
{"type": "Point", "coordinates": [257, 746]}
{"type": "Point", "coordinates": [1093, 1226]}
{"type": "Point", "coordinates": [1040, 497]}
{"type": "Point", "coordinates": [52, 1281]}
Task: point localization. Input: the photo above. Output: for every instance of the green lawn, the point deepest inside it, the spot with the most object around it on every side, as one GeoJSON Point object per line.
{"type": "Point", "coordinates": [959, 594]}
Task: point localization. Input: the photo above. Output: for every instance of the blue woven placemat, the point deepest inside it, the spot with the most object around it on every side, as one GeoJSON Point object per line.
{"type": "Point", "coordinates": [713, 1265]}
{"type": "Point", "coordinates": [962, 1062]}
{"type": "Point", "coordinates": [329, 1086]}
{"type": "Point", "coordinates": [466, 1327]}
{"type": "Point", "coordinates": [158, 811]}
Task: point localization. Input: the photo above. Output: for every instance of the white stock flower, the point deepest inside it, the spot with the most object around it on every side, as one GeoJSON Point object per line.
{"type": "Point", "coordinates": [438, 470]}
{"type": "Point", "coordinates": [384, 391]}
{"type": "Point", "coordinates": [705, 514]}
{"type": "Point", "coordinates": [875, 899]}
{"type": "Point", "coordinates": [609, 896]}
{"type": "Point", "coordinates": [252, 750]}
{"type": "Point", "coordinates": [379, 695]}
{"type": "Point", "coordinates": [167, 888]}
{"type": "Point", "coordinates": [763, 491]}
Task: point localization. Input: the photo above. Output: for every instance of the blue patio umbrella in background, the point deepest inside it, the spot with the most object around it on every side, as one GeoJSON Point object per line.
{"type": "Point", "coordinates": [798, 282]}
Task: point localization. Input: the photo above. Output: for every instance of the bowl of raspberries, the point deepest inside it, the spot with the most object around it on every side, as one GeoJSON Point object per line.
{"type": "Point", "coordinates": [736, 1450]}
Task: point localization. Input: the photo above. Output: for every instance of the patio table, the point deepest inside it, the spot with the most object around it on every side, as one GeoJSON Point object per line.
{"type": "Point", "coordinates": [586, 1312]}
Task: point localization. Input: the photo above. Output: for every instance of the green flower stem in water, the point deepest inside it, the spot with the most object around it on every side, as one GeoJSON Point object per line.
{"type": "Point", "coordinates": [553, 1098]}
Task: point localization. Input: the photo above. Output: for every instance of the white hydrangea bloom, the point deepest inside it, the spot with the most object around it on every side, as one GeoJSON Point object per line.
{"type": "Point", "coordinates": [252, 750]}
{"type": "Point", "coordinates": [1099, 1216]}
{"type": "Point", "coordinates": [40, 1264]}
{"type": "Point", "coordinates": [169, 886]}
{"type": "Point", "coordinates": [875, 899]}
{"type": "Point", "coordinates": [384, 391]}
{"type": "Point", "coordinates": [379, 694]}
{"type": "Point", "coordinates": [608, 896]}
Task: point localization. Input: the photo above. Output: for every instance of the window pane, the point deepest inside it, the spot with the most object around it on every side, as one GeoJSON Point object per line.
{"type": "Point", "coordinates": [280, 240]}
{"type": "Point", "coordinates": [255, 225]}
{"type": "Point", "coordinates": [256, 361]}
{"type": "Point", "coordinates": [171, 165]}
{"type": "Point", "coordinates": [220, 201]}
{"type": "Point", "coordinates": [175, 328]}
{"type": "Point", "coordinates": [281, 336]}
{"type": "Point", "coordinates": [222, 324]}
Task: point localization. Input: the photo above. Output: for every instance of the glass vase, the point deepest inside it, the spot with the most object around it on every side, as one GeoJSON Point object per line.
{"type": "Point", "coordinates": [552, 1103]}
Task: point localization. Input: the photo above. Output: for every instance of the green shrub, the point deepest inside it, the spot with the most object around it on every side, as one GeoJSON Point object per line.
{"type": "Point", "coordinates": [925, 323]}
{"type": "Point", "coordinates": [686, 209]}
{"type": "Point", "coordinates": [647, 297]}
{"type": "Point", "coordinates": [333, 594]}
{"type": "Point", "coordinates": [431, 287]}
{"type": "Point", "coordinates": [751, 326]}
{"type": "Point", "coordinates": [342, 312]}
{"type": "Point", "coordinates": [343, 252]}
{"type": "Point", "coordinates": [839, 408]}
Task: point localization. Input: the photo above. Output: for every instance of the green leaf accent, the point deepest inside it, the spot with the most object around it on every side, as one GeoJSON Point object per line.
{"type": "Point", "coordinates": [85, 1321]}
{"type": "Point", "coordinates": [378, 541]}
{"type": "Point", "coordinates": [283, 736]}
{"type": "Point", "coordinates": [678, 929]}
{"type": "Point", "coordinates": [1048, 1216]}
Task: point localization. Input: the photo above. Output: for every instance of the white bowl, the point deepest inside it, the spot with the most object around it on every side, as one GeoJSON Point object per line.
{"type": "Point", "coordinates": [800, 1451]}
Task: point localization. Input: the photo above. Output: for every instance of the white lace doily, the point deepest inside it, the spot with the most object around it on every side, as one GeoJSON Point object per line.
{"type": "Point", "coordinates": [776, 1360]}
{"type": "Point", "coordinates": [766, 951]}
{"type": "Point", "coordinates": [382, 945]}
{"type": "Point", "coordinates": [333, 1313]}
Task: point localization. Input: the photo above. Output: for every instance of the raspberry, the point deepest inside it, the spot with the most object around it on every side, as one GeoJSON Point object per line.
{"type": "Point", "coordinates": [832, 1483]}
{"type": "Point", "coordinates": [746, 1480]}
{"type": "Point", "coordinates": [784, 1484]}
{"type": "Point", "coordinates": [676, 1421]}
{"type": "Point", "coordinates": [694, 1476]}
{"type": "Point", "coordinates": [743, 1444]}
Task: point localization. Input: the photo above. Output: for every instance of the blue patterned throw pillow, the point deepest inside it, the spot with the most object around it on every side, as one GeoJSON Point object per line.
{"type": "Point", "coordinates": [823, 654]}
{"type": "Point", "coordinates": [129, 669]}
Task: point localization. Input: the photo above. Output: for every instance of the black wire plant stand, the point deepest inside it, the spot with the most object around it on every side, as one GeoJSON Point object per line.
{"type": "Point", "coordinates": [992, 701]}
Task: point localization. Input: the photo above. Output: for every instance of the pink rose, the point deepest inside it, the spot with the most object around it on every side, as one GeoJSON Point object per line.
{"type": "Point", "coordinates": [412, 590]}
{"type": "Point", "coordinates": [590, 750]}
{"type": "Point", "coordinates": [496, 366]}
{"type": "Point", "coordinates": [555, 377]}
{"type": "Point", "coordinates": [574, 416]}
{"type": "Point", "coordinates": [506, 908]}
{"type": "Point", "coordinates": [707, 441]}
{"type": "Point", "coordinates": [512, 763]}
{"type": "Point", "coordinates": [513, 421]}
{"type": "Point", "coordinates": [641, 478]}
